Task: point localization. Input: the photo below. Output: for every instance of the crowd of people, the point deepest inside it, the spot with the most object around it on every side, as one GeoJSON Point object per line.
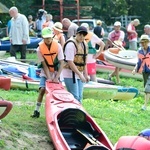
{"type": "Point", "coordinates": [72, 58]}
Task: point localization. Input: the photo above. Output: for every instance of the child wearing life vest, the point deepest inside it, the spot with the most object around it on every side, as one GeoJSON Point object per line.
{"type": "Point", "coordinates": [92, 39]}
{"type": "Point", "coordinates": [143, 66]}
{"type": "Point", "coordinates": [51, 57]}
{"type": "Point", "coordinates": [75, 71]}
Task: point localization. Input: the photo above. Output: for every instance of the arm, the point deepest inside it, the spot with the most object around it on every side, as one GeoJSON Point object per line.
{"type": "Point", "coordinates": [75, 70]}
{"type": "Point", "coordinates": [62, 40]}
{"type": "Point", "coordinates": [101, 48]}
{"type": "Point", "coordinates": [46, 70]}
{"type": "Point", "coordinates": [134, 70]}
{"type": "Point", "coordinates": [25, 29]}
{"type": "Point", "coordinates": [61, 62]}
{"type": "Point", "coordinates": [129, 29]}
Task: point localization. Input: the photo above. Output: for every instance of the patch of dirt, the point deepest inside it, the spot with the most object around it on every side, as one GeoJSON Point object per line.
{"type": "Point", "coordinates": [28, 142]}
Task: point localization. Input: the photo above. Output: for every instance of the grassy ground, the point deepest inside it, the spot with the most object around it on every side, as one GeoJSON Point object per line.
{"type": "Point", "coordinates": [116, 118]}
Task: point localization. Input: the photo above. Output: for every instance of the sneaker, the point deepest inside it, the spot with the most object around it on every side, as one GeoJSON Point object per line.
{"type": "Point", "coordinates": [36, 114]}
{"type": "Point", "coordinates": [143, 107]}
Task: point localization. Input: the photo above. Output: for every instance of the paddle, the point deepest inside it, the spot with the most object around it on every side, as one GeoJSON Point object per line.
{"type": "Point", "coordinates": [113, 43]}
{"type": "Point", "coordinates": [120, 44]}
{"type": "Point", "coordinates": [91, 139]}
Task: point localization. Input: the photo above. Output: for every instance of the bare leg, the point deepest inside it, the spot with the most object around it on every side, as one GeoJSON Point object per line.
{"type": "Point", "coordinates": [93, 78]}
{"type": "Point", "coordinates": [116, 73]}
{"type": "Point", "coordinates": [147, 96]}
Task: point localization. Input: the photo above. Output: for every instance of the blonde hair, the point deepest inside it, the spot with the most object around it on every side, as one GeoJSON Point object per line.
{"type": "Point", "coordinates": [99, 22]}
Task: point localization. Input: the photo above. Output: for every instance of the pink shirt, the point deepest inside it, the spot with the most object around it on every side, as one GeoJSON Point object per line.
{"type": "Point", "coordinates": [60, 56]}
{"type": "Point", "coordinates": [130, 28]}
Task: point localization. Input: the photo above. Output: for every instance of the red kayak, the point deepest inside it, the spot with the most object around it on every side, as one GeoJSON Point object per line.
{"type": "Point", "coordinates": [5, 107]}
{"type": "Point", "coordinates": [69, 125]}
{"type": "Point", "coordinates": [132, 143]}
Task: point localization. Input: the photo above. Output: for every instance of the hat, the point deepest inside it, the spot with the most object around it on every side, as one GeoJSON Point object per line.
{"type": "Point", "coordinates": [86, 25]}
{"type": "Point", "coordinates": [145, 132]}
{"type": "Point", "coordinates": [144, 37]}
{"type": "Point", "coordinates": [58, 26]}
{"type": "Point", "coordinates": [82, 29]}
{"type": "Point", "coordinates": [30, 16]}
{"type": "Point", "coordinates": [47, 32]}
{"type": "Point", "coordinates": [117, 23]}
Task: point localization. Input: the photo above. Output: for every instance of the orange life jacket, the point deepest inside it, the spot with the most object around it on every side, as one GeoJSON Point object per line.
{"type": "Point", "coordinates": [88, 37]}
{"type": "Point", "coordinates": [58, 37]}
{"type": "Point", "coordinates": [144, 61]}
{"type": "Point", "coordinates": [80, 57]}
{"type": "Point", "coordinates": [50, 55]}
{"type": "Point", "coordinates": [91, 50]}
{"type": "Point", "coordinates": [130, 35]}
{"type": "Point", "coordinates": [46, 24]}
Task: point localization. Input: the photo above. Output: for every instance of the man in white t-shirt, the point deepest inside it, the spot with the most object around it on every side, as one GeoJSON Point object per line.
{"type": "Point", "coordinates": [19, 33]}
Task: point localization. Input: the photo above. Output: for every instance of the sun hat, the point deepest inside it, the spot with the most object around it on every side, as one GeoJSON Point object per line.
{"type": "Point", "coordinates": [144, 38]}
{"type": "Point", "coordinates": [82, 29]}
{"type": "Point", "coordinates": [47, 32]}
{"type": "Point", "coordinates": [58, 26]}
{"type": "Point", "coordinates": [117, 23]}
{"type": "Point", "coordinates": [145, 132]}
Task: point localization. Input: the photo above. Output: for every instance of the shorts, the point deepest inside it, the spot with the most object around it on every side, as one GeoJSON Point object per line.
{"type": "Point", "coordinates": [91, 68]}
{"type": "Point", "coordinates": [42, 82]}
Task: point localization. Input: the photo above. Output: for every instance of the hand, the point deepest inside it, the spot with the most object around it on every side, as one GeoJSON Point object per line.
{"type": "Point", "coordinates": [133, 72]}
{"type": "Point", "coordinates": [24, 41]}
{"type": "Point", "coordinates": [82, 78]}
{"type": "Point", "coordinates": [87, 78]}
{"type": "Point", "coordinates": [55, 80]}
{"type": "Point", "coordinates": [95, 56]}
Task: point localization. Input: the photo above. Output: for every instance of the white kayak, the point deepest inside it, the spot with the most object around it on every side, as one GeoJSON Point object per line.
{"type": "Point", "coordinates": [123, 59]}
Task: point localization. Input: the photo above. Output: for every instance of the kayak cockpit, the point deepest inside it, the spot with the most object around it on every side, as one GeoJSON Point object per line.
{"type": "Point", "coordinates": [77, 131]}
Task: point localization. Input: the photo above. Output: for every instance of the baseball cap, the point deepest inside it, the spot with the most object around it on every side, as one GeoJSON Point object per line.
{"type": "Point", "coordinates": [82, 29]}
{"type": "Point", "coordinates": [47, 33]}
{"type": "Point", "coordinates": [145, 132]}
{"type": "Point", "coordinates": [144, 37]}
{"type": "Point", "coordinates": [117, 23]}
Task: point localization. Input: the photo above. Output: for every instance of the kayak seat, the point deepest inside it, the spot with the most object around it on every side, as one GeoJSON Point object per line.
{"type": "Point", "coordinates": [96, 147]}
{"type": "Point", "coordinates": [76, 118]}
{"type": "Point", "coordinates": [71, 117]}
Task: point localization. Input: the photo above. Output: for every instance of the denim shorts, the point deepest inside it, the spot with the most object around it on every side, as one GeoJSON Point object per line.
{"type": "Point", "coordinates": [42, 82]}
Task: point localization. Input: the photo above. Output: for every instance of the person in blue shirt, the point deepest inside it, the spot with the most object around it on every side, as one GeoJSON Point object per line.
{"type": "Point", "coordinates": [8, 27]}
